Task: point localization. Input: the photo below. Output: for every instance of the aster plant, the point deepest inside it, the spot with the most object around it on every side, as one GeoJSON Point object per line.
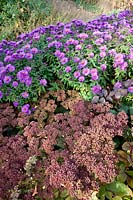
{"type": "Point", "coordinates": [23, 73]}
{"type": "Point", "coordinates": [94, 55]}
{"type": "Point", "coordinates": [86, 56]}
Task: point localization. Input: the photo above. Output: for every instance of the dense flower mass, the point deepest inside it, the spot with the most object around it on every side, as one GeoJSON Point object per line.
{"type": "Point", "coordinates": [12, 161]}
{"type": "Point", "coordinates": [79, 147]}
{"type": "Point", "coordinates": [7, 117]}
{"type": "Point", "coordinates": [65, 144]}
{"type": "Point", "coordinates": [81, 54]}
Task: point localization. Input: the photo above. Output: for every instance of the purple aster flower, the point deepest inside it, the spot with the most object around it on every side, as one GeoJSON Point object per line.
{"type": "Point", "coordinates": [27, 68]}
{"type": "Point", "coordinates": [61, 56]}
{"type": "Point", "coordinates": [103, 48]}
{"type": "Point", "coordinates": [68, 69]}
{"type": "Point", "coordinates": [96, 89]}
{"type": "Point", "coordinates": [10, 68]}
{"type": "Point", "coordinates": [131, 30]}
{"type": "Point", "coordinates": [43, 82]}
{"type": "Point", "coordinates": [82, 35]}
{"type": "Point", "coordinates": [94, 71]}
{"type": "Point", "coordinates": [1, 64]}
{"type": "Point", "coordinates": [119, 58]}
{"type": "Point", "coordinates": [36, 36]}
{"type": "Point", "coordinates": [71, 41]}
{"type": "Point", "coordinates": [76, 74]}
{"type": "Point", "coordinates": [15, 103]}
{"type": "Point", "coordinates": [83, 63]}
{"type": "Point", "coordinates": [25, 95]}
{"type": "Point", "coordinates": [81, 79]}
{"type": "Point", "coordinates": [1, 94]}
{"type": "Point", "coordinates": [15, 55]}
{"type": "Point", "coordinates": [78, 47]}
{"type": "Point", "coordinates": [51, 44]}
{"type": "Point", "coordinates": [7, 79]}
{"type": "Point", "coordinates": [115, 65]}
{"type": "Point", "coordinates": [76, 59]}
{"type": "Point", "coordinates": [117, 85]}
{"type": "Point", "coordinates": [28, 82]}
{"type": "Point", "coordinates": [112, 52]}
{"type": "Point", "coordinates": [99, 41]}
{"type": "Point", "coordinates": [64, 60]}
{"type": "Point", "coordinates": [49, 39]}
{"type": "Point", "coordinates": [124, 66]}
{"type": "Point", "coordinates": [8, 59]}
{"type": "Point", "coordinates": [27, 46]}
{"type": "Point", "coordinates": [15, 84]}
{"type": "Point", "coordinates": [2, 72]}
{"type": "Point", "coordinates": [91, 55]}
{"type": "Point", "coordinates": [22, 75]}
{"type": "Point", "coordinates": [107, 37]}
{"type": "Point", "coordinates": [58, 44]}
{"type": "Point", "coordinates": [94, 77]}
{"type": "Point", "coordinates": [97, 33]}
{"type": "Point", "coordinates": [28, 56]}
{"type": "Point", "coordinates": [57, 53]}
{"type": "Point", "coordinates": [117, 33]}
{"type": "Point", "coordinates": [89, 46]}
{"type": "Point", "coordinates": [67, 31]}
{"type": "Point", "coordinates": [21, 55]}
{"type": "Point", "coordinates": [25, 108]}
{"type": "Point", "coordinates": [30, 42]}
{"type": "Point", "coordinates": [121, 37]}
{"type": "Point", "coordinates": [102, 54]}
{"type": "Point", "coordinates": [130, 89]}
{"type": "Point", "coordinates": [86, 71]}
{"type": "Point", "coordinates": [131, 56]}
{"type": "Point", "coordinates": [103, 67]}
{"type": "Point", "coordinates": [131, 50]}
{"type": "Point", "coordinates": [34, 50]}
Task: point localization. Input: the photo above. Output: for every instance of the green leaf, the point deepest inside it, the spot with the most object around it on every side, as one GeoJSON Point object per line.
{"type": "Point", "coordinates": [122, 177]}
{"type": "Point", "coordinates": [130, 182]}
{"type": "Point", "coordinates": [119, 189]}
{"type": "Point", "coordinates": [130, 173]}
{"type": "Point", "coordinates": [69, 198]}
{"type": "Point", "coordinates": [64, 194]}
{"type": "Point", "coordinates": [101, 193]}
{"type": "Point", "coordinates": [109, 195]}
{"type": "Point", "coordinates": [117, 198]}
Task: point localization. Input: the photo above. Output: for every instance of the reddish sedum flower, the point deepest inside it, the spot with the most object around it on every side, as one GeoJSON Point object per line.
{"type": "Point", "coordinates": [85, 145]}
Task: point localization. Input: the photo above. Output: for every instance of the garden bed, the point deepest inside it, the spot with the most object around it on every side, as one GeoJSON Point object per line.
{"type": "Point", "coordinates": [66, 111]}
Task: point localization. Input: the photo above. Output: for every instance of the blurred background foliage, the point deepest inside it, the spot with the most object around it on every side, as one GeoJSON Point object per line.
{"type": "Point", "coordinates": [21, 16]}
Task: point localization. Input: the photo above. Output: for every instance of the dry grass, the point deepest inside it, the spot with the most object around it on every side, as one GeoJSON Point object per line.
{"type": "Point", "coordinates": [67, 10]}
{"type": "Point", "coordinates": [62, 10]}
{"type": "Point", "coordinates": [108, 5]}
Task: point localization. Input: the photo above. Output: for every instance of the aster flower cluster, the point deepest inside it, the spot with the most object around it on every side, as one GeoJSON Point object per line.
{"type": "Point", "coordinates": [94, 53]}
{"type": "Point", "coordinates": [88, 56]}
{"type": "Point", "coordinates": [23, 74]}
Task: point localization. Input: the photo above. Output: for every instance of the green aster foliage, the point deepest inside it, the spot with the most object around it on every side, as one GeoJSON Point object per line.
{"type": "Point", "coordinates": [87, 57]}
